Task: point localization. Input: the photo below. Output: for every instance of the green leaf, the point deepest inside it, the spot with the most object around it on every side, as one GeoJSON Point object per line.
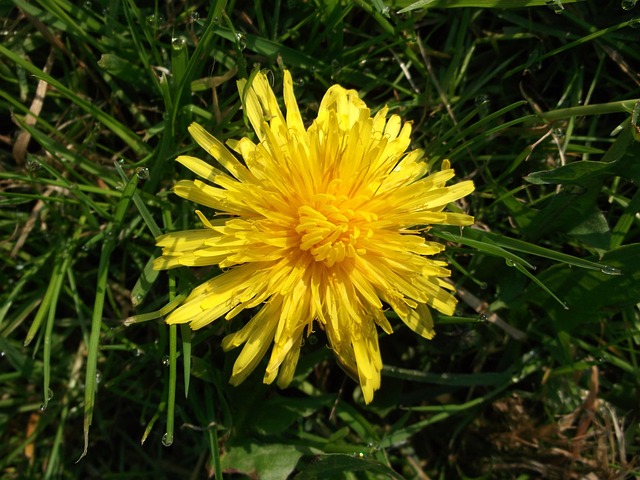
{"type": "Point", "coordinates": [335, 465]}
{"type": "Point", "coordinates": [266, 462]}
{"type": "Point", "coordinates": [589, 295]}
{"type": "Point", "coordinates": [124, 70]}
{"type": "Point", "coordinates": [576, 173]}
{"type": "Point", "coordinates": [278, 413]}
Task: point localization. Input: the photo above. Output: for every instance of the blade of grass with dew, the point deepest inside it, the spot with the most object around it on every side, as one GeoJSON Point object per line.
{"type": "Point", "coordinates": [62, 263]}
{"type": "Point", "coordinates": [578, 42]}
{"type": "Point", "coordinates": [587, 110]}
{"type": "Point", "coordinates": [409, 5]}
{"type": "Point", "coordinates": [481, 246]}
{"type": "Point", "coordinates": [167, 438]}
{"type": "Point", "coordinates": [145, 317]}
{"type": "Point", "coordinates": [149, 275]}
{"type": "Point", "coordinates": [120, 130]}
{"type": "Point", "coordinates": [530, 248]}
{"type": "Point", "coordinates": [108, 246]}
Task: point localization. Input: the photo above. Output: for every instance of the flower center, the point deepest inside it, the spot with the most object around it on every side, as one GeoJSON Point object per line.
{"type": "Point", "coordinates": [328, 232]}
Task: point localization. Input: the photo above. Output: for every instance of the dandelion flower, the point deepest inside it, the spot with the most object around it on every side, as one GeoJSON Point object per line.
{"type": "Point", "coordinates": [318, 227]}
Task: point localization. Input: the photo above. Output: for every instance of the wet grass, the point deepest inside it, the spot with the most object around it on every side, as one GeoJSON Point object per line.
{"type": "Point", "coordinates": [536, 376]}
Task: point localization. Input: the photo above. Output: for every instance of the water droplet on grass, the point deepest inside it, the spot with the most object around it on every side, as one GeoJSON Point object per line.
{"type": "Point", "coordinates": [49, 394]}
{"type": "Point", "coordinates": [606, 269]}
{"type": "Point", "coordinates": [628, 4]}
{"type": "Point", "coordinates": [483, 317]}
{"type": "Point", "coordinates": [98, 377]}
{"type": "Point", "coordinates": [167, 440]}
{"type": "Point", "coordinates": [166, 361]}
{"type": "Point", "coordinates": [555, 5]}
{"type": "Point", "coordinates": [43, 407]}
{"type": "Point", "coordinates": [143, 173]}
{"type": "Point", "coordinates": [481, 100]}
{"type": "Point", "coordinates": [32, 165]}
{"type": "Point", "coordinates": [195, 16]}
{"type": "Point", "coordinates": [178, 43]}
{"type": "Point", "coordinates": [241, 39]}
{"type": "Point", "coordinates": [88, 5]}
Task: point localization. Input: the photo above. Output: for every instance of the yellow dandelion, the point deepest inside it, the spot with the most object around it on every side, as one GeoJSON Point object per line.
{"type": "Point", "coordinates": [318, 226]}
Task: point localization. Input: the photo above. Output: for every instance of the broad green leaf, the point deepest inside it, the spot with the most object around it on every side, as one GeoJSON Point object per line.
{"type": "Point", "coordinates": [266, 462]}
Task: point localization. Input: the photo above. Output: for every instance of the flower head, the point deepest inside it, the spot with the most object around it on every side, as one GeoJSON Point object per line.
{"type": "Point", "coordinates": [319, 226]}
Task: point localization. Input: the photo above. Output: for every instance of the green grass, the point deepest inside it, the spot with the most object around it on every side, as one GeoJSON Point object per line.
{"type": "Point", "coordinates": [536, 376]}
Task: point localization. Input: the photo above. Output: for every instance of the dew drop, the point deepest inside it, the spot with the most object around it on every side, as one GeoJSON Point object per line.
{"type": "Point", "coordinates": [49, 394]}
{"type": "Point", "coordinates": [481, 100]}
{"type": "Point", "coordinates": [105, 12]}
{"type": "Point", "coordinates": [312, 339]}
{"type": "Point", "coordinates": [98, 377]}
{"type": "Point", "coordinates": [555, 5]}
{"type": "Point", "coordinates": [143, 172]}
{"type": "Point", "coordinates": [300, 82]}
{"type": "Point", "coordinates": [19, 266]}
{"type": "Point", "coordinates": [166, 361]}
{"type": "Point", "coordinates": [241, 40]}
{"type": "Point", "coordinates": [510, 263]}
{"type": "Point", "coordinates": [483, 317]}
{"type": "Point", "coordinates": [558, 132]}
{"type": "Point", "coordinates": [2, 354]}
{"type": "Point", "coordinates": [43, 407]}
{"type": "Point", "coordinates": [178, 43]}
{"type": "Point", "coordinates": [32, 165]}
{"type": "Point", "coordinates": [88, 5]}
{"type": "Point", "coordinates": [628, 4]}
{"type": "Point", "coordinates": [195, 16]}
{"type": "Point", "coordinates": [167, 440]}
{"type": "Point", "coordinates": [606, 269]}
{"type": "Point", "coordinates": [151, 19]}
